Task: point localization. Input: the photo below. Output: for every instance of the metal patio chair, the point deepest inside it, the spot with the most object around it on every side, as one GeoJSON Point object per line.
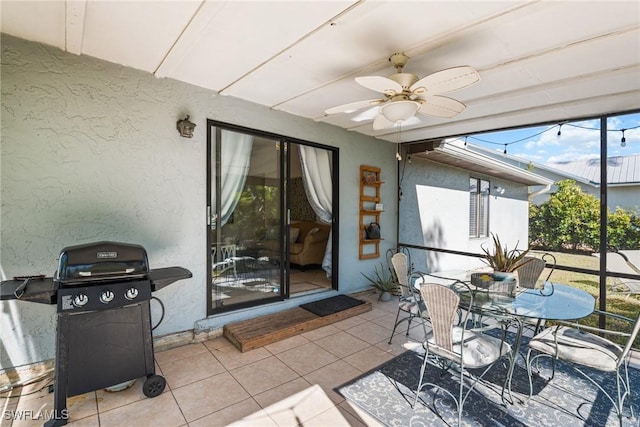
{"type": "Point", "coordinates": [450, 345]}
{"type": "Point", "coordinates": [585, 346]}
{"type": "Point", "coordinates": [409, 302]}
{"type": "Point", "coordinates": [528, 275]}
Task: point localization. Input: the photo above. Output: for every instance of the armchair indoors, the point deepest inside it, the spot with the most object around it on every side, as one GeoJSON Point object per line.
{"type": "Point", "coordinates": [455, 346]}
{"type": "Point", "coordinates": [309, 244]}
{"type": "Point", "coordinates": [584, 346]}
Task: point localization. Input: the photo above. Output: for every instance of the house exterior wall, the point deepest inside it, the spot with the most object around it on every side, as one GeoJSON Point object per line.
{"type": "Point", "coordinates": [626, 196]}
{"type": "Point", "coordinates": [434, 211]}
{"type": "Point", "coordinates": [618, 196]}
{"type": "Point", "coordinates": [90, 152]}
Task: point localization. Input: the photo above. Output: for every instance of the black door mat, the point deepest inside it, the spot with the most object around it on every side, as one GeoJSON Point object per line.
{"type": "Point", "coordinates": [331, 305]}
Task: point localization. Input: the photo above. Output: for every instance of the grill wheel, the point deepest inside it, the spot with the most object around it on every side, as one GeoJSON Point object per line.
{"type": "Point", "coordinates": [154, 386]}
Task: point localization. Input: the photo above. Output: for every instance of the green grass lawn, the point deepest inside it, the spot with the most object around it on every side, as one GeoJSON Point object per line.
{"type": "Point", "coordinates": [624, 305]}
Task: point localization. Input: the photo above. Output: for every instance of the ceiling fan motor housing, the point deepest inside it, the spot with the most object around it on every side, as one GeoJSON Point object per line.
{"type": "Point", "coordinates": [406, 80]}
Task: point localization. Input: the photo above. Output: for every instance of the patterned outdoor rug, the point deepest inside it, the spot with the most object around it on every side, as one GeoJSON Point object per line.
{"type": "Point", "coordinates": [388, 392]}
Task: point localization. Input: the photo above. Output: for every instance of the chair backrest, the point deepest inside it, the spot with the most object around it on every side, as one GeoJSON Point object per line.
{"type": "Point", "coordinates": [400, 263]}
{"type": "Point", "coordinates": [550, 260]}
{"type": "Point", "coordinates": [530, 270]}
{"type": "Point", "coordinates": [442, 305]}
{"type": "Point", "coordinates": [401, 268]}
{"type": "Point", "coordinates": [632, 338]}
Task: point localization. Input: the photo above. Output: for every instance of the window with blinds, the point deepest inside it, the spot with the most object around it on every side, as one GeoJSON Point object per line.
{"type": "Point", "coordinates": [478, 207]}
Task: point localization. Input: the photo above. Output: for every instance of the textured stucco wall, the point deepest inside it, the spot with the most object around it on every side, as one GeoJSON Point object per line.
{"type": "Point", "coordinates": [90, 152]}
{"type": "Point", "coordinates": [434, 211]}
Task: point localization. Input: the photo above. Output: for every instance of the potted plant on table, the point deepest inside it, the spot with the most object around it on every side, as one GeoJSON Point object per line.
{"type": "Point", "coordinates": [504, 261]}
{"type": "Point", "coordinates": [384, 282]}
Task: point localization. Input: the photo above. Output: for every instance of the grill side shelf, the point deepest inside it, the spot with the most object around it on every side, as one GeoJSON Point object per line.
{"type": "Point", "coordinates": [162, 277]}
{"type": "Point", "coordinates": [39, 290]}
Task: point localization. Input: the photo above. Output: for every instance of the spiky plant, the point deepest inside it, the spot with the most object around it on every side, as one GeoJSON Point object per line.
{"type": "Point", "coordinates": [383, 280]}
{"type": "Point", "coordinates": [503, 259]}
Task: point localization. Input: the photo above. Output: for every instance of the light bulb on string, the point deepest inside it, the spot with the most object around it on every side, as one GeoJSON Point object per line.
{"type": "Point", "coordinates": [623, 141]}
{"type": "Point", "coordinates": [465, 141]}
{"type": "Point", "coordinates": [559, 131]}
{"type": "Point", "coordinates": [505, 148]}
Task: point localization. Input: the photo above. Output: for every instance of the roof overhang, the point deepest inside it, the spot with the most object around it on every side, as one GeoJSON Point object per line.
{"type": "Point", "coordinates": [442, 152]}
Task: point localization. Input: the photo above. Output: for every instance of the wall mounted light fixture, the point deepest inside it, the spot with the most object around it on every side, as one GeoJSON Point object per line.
{"type": "Point", "coordinates": [498, 190]}
{"type": "Point", "coordinates": [185, 127]}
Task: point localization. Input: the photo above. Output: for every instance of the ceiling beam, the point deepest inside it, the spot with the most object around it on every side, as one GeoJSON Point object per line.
{"type": "Point", "coordinates": [75, 11]}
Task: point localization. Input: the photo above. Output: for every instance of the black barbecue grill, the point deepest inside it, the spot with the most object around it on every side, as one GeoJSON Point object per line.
{"type": "Point", "coordinates": [103, 333]}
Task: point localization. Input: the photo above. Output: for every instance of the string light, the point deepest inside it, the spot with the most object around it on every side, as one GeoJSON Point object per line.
{"type": "Point", "coordinates": [623, 141]}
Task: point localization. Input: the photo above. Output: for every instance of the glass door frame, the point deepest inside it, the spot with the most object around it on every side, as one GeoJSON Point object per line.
{"type": "Point", "coordinates": [285, 166]}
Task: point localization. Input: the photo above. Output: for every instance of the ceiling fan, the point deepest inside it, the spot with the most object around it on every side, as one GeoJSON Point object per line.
{"type": "Point", "coordinates": [405, 94]}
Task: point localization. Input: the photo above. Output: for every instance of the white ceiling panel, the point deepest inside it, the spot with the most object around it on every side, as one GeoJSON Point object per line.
{"type": "Point", "coordinates": [359, 42]}
{"type": "Point", "coordinates": [137, 34]}
{"type": "Point", "coordinates": [539, 61]}
{"type": "Point", "coordinates": [241, 36]}
{"type": "Point", "coordinates": [38, 21]}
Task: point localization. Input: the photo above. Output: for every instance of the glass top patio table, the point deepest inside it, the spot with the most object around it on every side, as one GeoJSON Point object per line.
{"type": "Point", "coordinates": [562, 302]}
{"type": "Point", "coordinates": [555, 301]}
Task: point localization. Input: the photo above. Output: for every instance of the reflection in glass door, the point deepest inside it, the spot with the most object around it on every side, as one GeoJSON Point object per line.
{"type": "Point", "coordinates": [246, 220]}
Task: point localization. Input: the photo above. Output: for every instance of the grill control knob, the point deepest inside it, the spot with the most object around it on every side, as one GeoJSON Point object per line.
{"type": "Point", "coordinates": [131, 294]}
{"type": "Point", "coordinates": [80, 300]}
{"type": "Point", "coordinates": [106, 297]}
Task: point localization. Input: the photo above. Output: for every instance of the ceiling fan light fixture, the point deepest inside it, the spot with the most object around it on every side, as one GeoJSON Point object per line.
{"type": "Point", "coordinates": [399, 111]}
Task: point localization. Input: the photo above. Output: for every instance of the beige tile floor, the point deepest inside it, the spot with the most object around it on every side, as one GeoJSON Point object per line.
{"type": "Point", "coordinates": [288, 383]}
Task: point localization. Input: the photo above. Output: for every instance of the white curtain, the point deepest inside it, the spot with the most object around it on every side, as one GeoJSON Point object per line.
{"type": "Point", "coordinates": [317, 179]}
{"type": "Point", "coordinates": [235, 160]}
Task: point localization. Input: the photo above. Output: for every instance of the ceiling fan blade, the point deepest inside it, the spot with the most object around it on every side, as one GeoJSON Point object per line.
{"type": "Point", "coordinates": [445, 81]}
{"type": "Point", "coordinates": [441, 106]}
{"type": "Point", "coordinates": [353, 106]}
{"type": "Point", "coordinates": [380, 84]}
{"type": "Point", "coordinates": [381, 122]}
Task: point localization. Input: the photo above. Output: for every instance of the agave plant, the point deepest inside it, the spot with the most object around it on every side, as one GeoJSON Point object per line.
{"type": "Point", "coordinates": [502, 259]}
{"type": "Point", "coordinates": [383, 280]}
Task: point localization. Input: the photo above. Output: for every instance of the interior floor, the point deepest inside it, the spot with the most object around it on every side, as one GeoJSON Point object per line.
{"type": "Point", "coordinates": [309, 279]}
{"type": "Point", "coordinates": [251, 280]}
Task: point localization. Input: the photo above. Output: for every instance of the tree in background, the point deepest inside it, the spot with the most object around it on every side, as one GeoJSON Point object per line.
{"type": "Point", "coordinates": [623, 229]}
{"type": "Point", "coordinates": [570, 220]}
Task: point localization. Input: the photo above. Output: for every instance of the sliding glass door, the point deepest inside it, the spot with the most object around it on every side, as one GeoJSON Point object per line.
{"type": "Point", "coordinates": [270, 218]}
{"type": "Point", "coordinates": [245, 219]}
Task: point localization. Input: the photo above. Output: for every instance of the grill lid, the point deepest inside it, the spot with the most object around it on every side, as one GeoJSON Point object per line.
{"type": "Point", "coordinates": [101, 260]}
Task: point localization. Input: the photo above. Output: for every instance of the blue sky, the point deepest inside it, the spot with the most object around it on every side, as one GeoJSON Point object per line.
{"type": "Point", "coordinates": [578, 140]}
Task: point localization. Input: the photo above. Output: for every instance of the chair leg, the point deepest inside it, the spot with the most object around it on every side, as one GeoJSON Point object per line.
{"type": "Point", "coordinates": [628, 390]}
{"type": "Point", "coordinates": [461, 399]}
{"type": "Point", "coordinates": [422, 369]}
{"type": "Point", "coordinates": [395, 325]}
{"type": "Point", "coordinates": [409, 319]}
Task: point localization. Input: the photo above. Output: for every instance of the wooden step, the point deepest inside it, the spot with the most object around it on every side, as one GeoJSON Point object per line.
{"type": "Point", "coordinates": [260, 331]}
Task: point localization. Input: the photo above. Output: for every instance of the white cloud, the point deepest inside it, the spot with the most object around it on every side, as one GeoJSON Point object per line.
{"type": "Point", "coordinates": [578, 140]}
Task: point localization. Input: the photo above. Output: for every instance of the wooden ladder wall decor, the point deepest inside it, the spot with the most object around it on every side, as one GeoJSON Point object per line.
{"type": "Point", "coordinates": [370, 209]}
